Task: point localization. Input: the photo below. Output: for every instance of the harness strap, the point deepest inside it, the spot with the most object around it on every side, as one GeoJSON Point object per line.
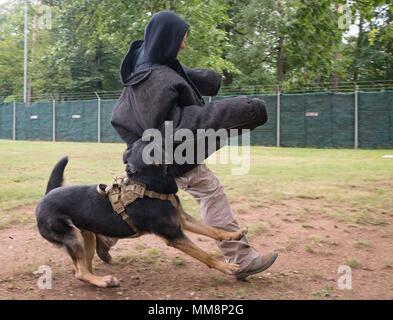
{"type": "Point", "coordinates": [163, 196]}
{"type": "Point", "coordinates": [120, 209]}
{"type": "Point", "coordinates": [127, 219]}
{"type": "Point", "coordinates": [123, 192]}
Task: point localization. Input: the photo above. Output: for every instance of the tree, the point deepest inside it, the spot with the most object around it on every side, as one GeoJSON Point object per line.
{"type": "Point", "coordinates": [91, 37]}
{"type": "Point", "coordinates": [294, 41]}
{"type": "Point", "coordinates": [370, 51]}
{"type": "Point", "coordinates": [11, 50]}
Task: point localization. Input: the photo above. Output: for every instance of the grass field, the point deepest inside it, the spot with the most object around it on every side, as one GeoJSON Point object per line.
{"type": "Point", "coordinates": [318, 208]}
{"type": "Point", "coordinates": [354, 185]}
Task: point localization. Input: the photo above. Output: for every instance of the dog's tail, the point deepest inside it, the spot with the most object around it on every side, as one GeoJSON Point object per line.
{"type": "Point", "coordinates": [57, 175]}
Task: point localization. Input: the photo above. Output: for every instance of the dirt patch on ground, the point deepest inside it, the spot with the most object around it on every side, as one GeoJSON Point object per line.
{"type": "Point", "coordinates": [311, 246]}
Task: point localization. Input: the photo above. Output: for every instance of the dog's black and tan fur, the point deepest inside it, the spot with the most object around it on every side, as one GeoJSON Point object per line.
{"type": "Point", "coordinates": [71, 216]}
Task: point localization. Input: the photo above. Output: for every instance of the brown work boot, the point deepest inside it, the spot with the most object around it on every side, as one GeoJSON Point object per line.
{"type": "Point", "coordinates": [260, 264]}
{"type": "Point", "coordinates": [103, 245]}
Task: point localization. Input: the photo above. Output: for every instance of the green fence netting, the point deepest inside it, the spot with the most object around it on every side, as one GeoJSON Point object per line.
{"type": "Point", "coordinates": [320, 120]}
{"type": "Point", "coordinates": [376, 120]}
{"type": "Point", "coordinates": [6, 121]}
{"type": "Point", "coordinates": [108, 134]}
{"type": "Point", "coordinates": [317, 120]}
{"type": "Point", "coordinates": [343, 120]}
{"type": "Point", "coordinates": [77, 121]}
{"type": "Point", "coordinates": [34, 122]}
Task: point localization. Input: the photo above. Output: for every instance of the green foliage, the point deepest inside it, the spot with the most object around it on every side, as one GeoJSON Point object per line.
{"type": "Point", "coordinates": [252, 42]}
{"type": "Point", "coordinates": [371, 51]}
{"type": "Point", "coordinates": [11, 49]}
{"type": "Point", "coordinates": [315, 38]}
{"type": "Point", "coordinates": [294, 41]}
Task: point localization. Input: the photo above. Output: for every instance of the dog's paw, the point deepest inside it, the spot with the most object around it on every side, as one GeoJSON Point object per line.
{"type": "Point", "coordinates": [229, 268]}
{"type": "Point", "coordinates": [237, 235]}
{"type": "Point", "coordinates": [243, 232]}
{"type": "Point", "coordinates": [108, 282]}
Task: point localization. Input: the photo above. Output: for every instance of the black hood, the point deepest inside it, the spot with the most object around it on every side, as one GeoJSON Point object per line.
{"type": "Point", "coordinates": [163, 37]}
{"type": "Point", "coordinates": [162, 40]}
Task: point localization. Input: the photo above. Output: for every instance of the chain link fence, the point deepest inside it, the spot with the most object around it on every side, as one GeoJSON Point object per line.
{"type": "Point", "coordinates": [322, 120]}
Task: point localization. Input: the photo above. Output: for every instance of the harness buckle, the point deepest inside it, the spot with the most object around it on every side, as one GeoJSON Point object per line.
{"type": "Point", "coordinates": [139, 190]}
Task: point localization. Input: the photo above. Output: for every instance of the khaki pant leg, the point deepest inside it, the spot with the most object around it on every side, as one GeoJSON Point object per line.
{"type": "Point", "coordinates": [215, 210]}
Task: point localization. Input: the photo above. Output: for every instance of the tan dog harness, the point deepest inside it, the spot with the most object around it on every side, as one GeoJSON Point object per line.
{"type": "Point", "coordinates": [123, 191]}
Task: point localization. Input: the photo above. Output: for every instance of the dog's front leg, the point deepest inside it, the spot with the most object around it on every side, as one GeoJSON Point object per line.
{"type": "Point", "coordinates": [90, 248]}
{"type": "Point", "coordinates": [77, 250]}
{"type": "Point", "coordinates": [195, 226]}
{"type": "Point", "coordinates": [187, 246]}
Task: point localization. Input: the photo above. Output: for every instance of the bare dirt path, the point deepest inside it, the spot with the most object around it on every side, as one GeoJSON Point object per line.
{"type": "Point", "coordinates": [311, 251]}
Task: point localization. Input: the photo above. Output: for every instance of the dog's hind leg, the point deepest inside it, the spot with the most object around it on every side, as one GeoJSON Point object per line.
{"type": "Point", "coordinates": [75, 246]}
{"type": "Point", "coordinates": [187, 246]}
{"type": "Point", "coordinates": [90, 248]}
{"type": "Point", "coordinates": [193, 225]}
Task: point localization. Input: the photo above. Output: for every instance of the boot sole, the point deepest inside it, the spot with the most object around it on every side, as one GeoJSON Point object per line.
{"type": "Point", "coordinates": [267, 265]}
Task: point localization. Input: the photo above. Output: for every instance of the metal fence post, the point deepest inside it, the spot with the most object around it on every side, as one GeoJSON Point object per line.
{"type": "Point", "coordinates": [356, 139]}
{"type": "Point", "coordinates": [14, 121]}
{"type": "Point", "coordinates": [278, 134]}
{"type": "Point", "coordinates": [54, 120]}
{"type": "Point", "coordinates": [98, 118]}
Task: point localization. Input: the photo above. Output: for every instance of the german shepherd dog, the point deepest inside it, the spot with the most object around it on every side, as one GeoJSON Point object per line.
{"type": "Point", "coordinates": [71, 216]}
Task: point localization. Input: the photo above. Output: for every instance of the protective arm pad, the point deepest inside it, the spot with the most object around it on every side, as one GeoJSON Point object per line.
{"type": "Point", "coordinates": [208, 82]}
